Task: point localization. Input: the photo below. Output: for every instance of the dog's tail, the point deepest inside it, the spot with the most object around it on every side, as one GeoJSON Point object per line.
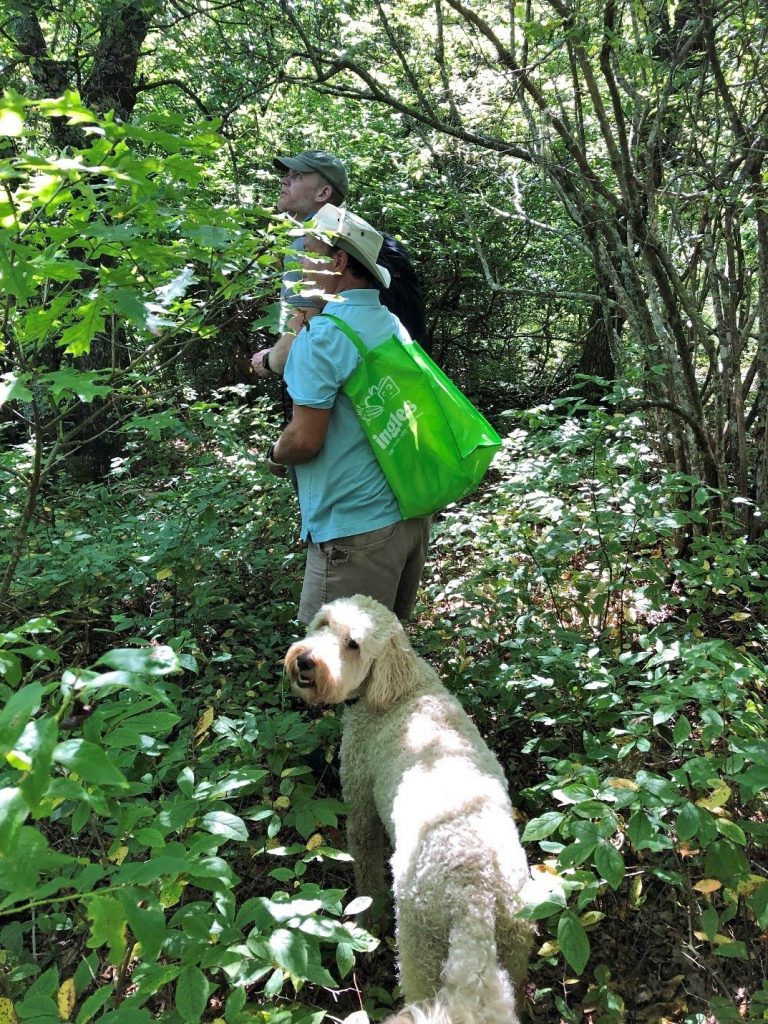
{"type": "Point", "coordinates": [475, 988]}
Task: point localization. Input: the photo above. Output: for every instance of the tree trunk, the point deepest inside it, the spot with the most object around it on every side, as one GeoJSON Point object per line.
{"type": "Point", "coordinates": [597, 358]}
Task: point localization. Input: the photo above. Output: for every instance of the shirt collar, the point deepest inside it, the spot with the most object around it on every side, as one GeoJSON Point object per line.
{"type": "Point", "coordinates": [355, 297]}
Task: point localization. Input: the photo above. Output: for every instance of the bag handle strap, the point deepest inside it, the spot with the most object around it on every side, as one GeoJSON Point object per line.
{"type": "Point", "coordinates": [350, 332]}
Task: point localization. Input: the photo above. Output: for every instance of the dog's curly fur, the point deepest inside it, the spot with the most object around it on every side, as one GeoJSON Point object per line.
{"type": "Point", "coordinates": [416, 772]}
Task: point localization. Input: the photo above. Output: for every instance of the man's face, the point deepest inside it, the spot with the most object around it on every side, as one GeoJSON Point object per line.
{"type": "Point", "coordinates": [318, 268]}
{"type": "Point", "coordinates": [300, 193]}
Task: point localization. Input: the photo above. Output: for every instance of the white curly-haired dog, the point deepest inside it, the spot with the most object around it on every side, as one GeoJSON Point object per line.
{"type": "Point", "coordinates": [415, 770]}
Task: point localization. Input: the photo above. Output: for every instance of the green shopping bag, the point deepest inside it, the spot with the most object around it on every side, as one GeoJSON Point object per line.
{"type": "Point", "coordinates": [432, 444]}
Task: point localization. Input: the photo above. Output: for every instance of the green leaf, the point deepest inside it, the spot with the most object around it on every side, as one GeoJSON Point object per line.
{"type": "Point", "coordinates": [159, 866]}
{"type": "Point", "coordinates": [553, 903]}
{"type": "Point", "coordinates": [10, 668]}
{"type": "Point", "coordinates": [107, 926]}
{"type": "Point", "coordinates": [610, 864]}
{"type": "Point", "coordinates": [70, 106]}
{"type": "Point", "coordinates": [681, 731]}
{"type": "Point", "coordinates": [17, 712]}
{"type": "Point", "coordinates": [736, 950]}
{"type": "Point", "coordinates": [145, 661]}
{"type": "Point", "coordinates": [210, 236]}
{"type": "Point", "coordinates": [23, 860]}
{"type": "Point", "coordinates": [151, 837]}
{"type": "Point", "coordinates": [687, 822]}
{"type": "Point", "coordinates": [543, 826]}
{"type": "Point", "coordinates": [186, 781]}
{"type": "Point", "coordinates": [38, 1009]}
{"type": "Point", "coordinates": [731, 831]}
{"type": "Point", "coordinates": [265, 912]}
{"type": "Point", "coordinates": [146, 918]}
{"type": "Point", "coordinates": [94, 1003]}
{"type": "Point", "coordinates": [191, 994]}
{"type": "Point", "coordinates": [753, 780]}
{"type": "Point", "coordinates": [111, 232]}
{"type": "Point", "coordinates": [274, 985]}
{"type": "Point", "coordinates": [234, 1005]}
{"type": "Point", "coordinates": [725, 862]}
{"type": "Point", "coordinates": [76, 339]}
{"type": "Point", "coordinates": [576, 853]}
{"type": "Point", "coordinates": [270, 320]}
{"type": "Point", "coordinates": [345, 958]}
{"type": "Point", "coordinates": [15, 276]}
{"type": "Point", "coordinates": [37, 742]}
{"type": "Point", "coordinates": [90, 762]}
{"type": "Point", "coordinates": [13, 811]}
{"type": "Point", "coordinates": [709, 922]}
{"type": "Point", "coordinates": [14, 388]}
{"type": "Point", "coordinates": [292, 950]}
{"type": "Point", "coordinates": [707, 827]}
{"type": "Point", "coordinates": [758, 903]}
{"type": "Point", "coordinates": [176, 288]}
{"type": "Point", "coordinates": [84, 384]}
{"type": "Point", "coordinates": [130, 304]}
{"type": "Point", "coordinates": [573, 941]}
{"type": "Point", "coordinates": [220, 823]}
{"type": "Point", "coordinates": [640, 830]}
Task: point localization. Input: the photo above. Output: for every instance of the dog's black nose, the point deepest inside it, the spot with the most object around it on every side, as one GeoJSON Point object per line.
{"type": "Point", "coordinates": [305, 662]}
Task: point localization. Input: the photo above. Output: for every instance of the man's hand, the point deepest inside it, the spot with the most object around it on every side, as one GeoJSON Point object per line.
{"type": "Point", "coordinates": [274, 467]}
{"type": "Point", "coordinates": [257, 362]}
{"type": "Point", "coordinates": [278, 354]}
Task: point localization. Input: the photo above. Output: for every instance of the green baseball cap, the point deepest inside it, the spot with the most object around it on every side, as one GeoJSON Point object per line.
{"type": "Point", "coordinates": [331, 168]}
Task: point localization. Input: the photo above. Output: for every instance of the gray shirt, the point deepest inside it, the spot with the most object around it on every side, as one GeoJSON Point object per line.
{"type": "Point", "coordinates": [291, 298]}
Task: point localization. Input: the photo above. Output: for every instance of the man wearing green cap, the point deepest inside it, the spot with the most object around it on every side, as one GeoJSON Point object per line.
{"type": "Point", "coordinates": [309, 181]}
{"type": "Point", "coordinates": [358, 541]}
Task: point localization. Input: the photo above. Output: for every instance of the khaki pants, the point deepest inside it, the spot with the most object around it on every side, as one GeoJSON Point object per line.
{"type": "Point", "coordinates": [384, 564]}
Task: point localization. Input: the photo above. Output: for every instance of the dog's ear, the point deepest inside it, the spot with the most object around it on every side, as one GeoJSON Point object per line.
{"type": "Point", "coordinates": [391, 672]}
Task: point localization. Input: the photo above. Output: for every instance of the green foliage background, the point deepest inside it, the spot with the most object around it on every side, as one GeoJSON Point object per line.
{"type": "Point", "coordinates": [166, 852]}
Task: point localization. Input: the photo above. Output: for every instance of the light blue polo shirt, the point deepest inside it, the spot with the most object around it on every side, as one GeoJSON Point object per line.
{"type": "Point", "coordinates": [342, 490]}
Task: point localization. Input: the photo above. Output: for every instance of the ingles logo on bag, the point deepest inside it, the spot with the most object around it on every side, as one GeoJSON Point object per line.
{"type": "Point", "coordinates": [381, 400]}
{"type": "Point", "coordinates": [377, 396]}
{"type": "Point", "coordinates": [397, 425]}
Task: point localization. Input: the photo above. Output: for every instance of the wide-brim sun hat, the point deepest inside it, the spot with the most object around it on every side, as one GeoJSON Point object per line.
{"type": "Point", "coordinates": [347, 231]}
{"type": "Point", "coordinates": [331, 168]}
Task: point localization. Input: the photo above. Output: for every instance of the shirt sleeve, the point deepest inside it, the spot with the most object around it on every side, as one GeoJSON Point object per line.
{"type": "Point", "coordinates": [319, 363]}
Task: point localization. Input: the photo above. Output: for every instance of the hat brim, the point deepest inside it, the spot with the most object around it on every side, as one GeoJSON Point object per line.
{"type": "Point", "coordinates": [332, 237]}
{"type": "Point", "coordinates": [381, 274]}
{"type": "Point", "coordinates": [290, 163]}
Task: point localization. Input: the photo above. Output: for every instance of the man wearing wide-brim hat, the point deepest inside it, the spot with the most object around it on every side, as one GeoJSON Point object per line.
{"type": "Point", "coordinates": [358, 542]}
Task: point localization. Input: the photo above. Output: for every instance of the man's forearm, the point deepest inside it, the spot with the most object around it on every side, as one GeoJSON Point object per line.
{"type": "Point", "coordinates": [303, 438]}
{"type": "Point", "coordinates": [278, 357]}
{"type": "Point", "coordinates": [278, 354]}
{"type": "Point", "coordinates": [291, 449]}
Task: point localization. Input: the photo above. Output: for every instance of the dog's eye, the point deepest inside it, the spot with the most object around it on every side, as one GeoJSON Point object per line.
{"type": "Point", "coordinates": [353, 645]}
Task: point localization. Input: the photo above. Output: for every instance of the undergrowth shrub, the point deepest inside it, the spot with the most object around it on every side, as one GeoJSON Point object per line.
{"type": "Point", "coordinates": [622, 684]}
{"type": "Point", "coordinates": [164, 849]}
{"type": "Point", "coordinates": [167, 854]}
{"type": "Point", "coordinates": [142, 861]}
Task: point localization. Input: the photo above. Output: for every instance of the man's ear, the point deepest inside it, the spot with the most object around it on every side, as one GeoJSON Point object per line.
{"type": "Point", "coordinates": [340, 261]}
{"type": "Point", "coordinates": [323, 193]}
